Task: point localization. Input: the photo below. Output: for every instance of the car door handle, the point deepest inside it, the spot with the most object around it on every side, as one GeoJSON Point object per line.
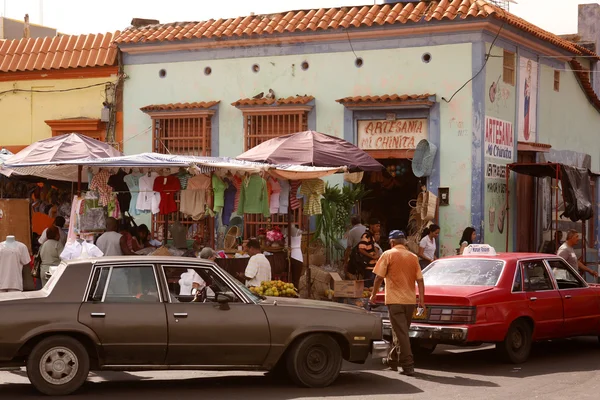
{"type": "Point", "coordinates": [180, 315]}
{"type": "Point", "coordinates": [533, 298]}
{"type": "Point", "coordinates": [568, 296]}
{"type": "Point", "coordinates": [98, 315]}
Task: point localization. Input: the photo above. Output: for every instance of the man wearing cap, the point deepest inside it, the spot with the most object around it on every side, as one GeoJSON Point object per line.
{"type": "Point", "coordinates": [366, 248]}
{"type": "Point", "coordinates": [400, 269]}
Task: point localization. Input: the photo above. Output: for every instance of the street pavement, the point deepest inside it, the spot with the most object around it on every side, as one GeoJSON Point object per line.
{"type": "Point", "coordinates": [556, 370]}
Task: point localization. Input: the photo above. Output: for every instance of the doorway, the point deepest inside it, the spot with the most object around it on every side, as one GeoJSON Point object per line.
{"type": "Point", "coordinates": [525, 226]}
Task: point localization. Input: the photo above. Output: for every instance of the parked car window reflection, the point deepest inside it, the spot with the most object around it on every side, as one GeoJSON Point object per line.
{"type": "Point", "coordinates": [518, 283]}
{"type": "Point", "coordinates": [98, 284]}
{"type": "Point", "coordinates": [199, 285]}
{"type": "Point", "coordinates": [536, 276]}
{"type": "Point", "coordinates": [565, 277]}
{"type": "Point", "coordinates": [132, 284]}
{"type": "Point", "coordinates": [463, 272]}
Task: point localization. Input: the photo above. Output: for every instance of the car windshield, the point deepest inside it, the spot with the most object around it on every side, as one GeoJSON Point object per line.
{"type": "Point", "coordinates": [241, 286]}
{"type": "Point", "coordinates": [463, 272]}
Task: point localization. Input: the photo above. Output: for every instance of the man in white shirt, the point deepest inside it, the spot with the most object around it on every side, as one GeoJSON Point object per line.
{"type": "Point", "coordinates": [111, 242]}
{"type": "Point", "coordinates": [567, 252]}
{"type": "Point", "coordinates": [259, 268]}
{"type": "Point", "coordinates": [59, 222]}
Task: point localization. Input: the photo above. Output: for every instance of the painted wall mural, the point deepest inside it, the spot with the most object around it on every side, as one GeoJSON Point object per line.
{"type": "Point", "coordinates": [527, 94]}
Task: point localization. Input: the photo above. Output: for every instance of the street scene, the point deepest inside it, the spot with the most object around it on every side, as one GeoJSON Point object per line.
{"type": "Point", "coordinates": [317, 199]}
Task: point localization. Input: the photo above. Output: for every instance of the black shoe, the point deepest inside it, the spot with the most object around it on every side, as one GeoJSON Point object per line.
{"type": "Point", "coordinates": [409, 371]}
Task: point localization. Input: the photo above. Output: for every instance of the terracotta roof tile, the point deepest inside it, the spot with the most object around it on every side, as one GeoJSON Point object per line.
{"type": "Point", "coordinates": [263, 101]}
{"type": "Point", "coordinates": [366, 101]}
{"type": "Point", "coordinates": [58, 52]}
{"type": "Point", "coordinates": [179, 106]}
{"type": "Point", "coordinates": [584, 80]}
{"type": "Point", "coordinates": [340, 18]}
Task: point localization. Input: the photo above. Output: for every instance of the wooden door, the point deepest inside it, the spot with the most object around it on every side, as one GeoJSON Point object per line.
{"type": "Point", "coordinates": [525, 227]}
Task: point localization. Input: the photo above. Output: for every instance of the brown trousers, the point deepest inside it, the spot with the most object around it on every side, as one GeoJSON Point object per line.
{"type": "Point", "coordinates": [401, 317]}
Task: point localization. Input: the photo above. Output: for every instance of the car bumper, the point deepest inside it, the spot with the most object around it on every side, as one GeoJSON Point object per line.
{"type": "Point", "coordinates": [380, 349]}
{"type": "Point", "coordinates": [440, 333]}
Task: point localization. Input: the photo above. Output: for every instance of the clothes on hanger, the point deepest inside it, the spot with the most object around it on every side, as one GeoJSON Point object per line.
{"type": "Point", "coordinates": [167, 187]}
{"type": "Point", "coordinates": [312, 190]}
{"type": "Point", "coordinates": [218, 187]}
{"type": "Point", "coordinates": [117, 183]}
{"type": "Point", "coordinates": [133, 184]}
{"type": "Point", "coordinates": [193, 199]}
{"type": "Point", "coordinates": [100, 184]}
{"type": "Point", "coordinates": [284, 196]}
{"type": "Point", "coordinates": [254, 198]}
{"type": "Point", "coordinates": [274, 191]}
{"type": "Point", "coordinates": [148, 199]}
{"type": "Point", "coordinates": [294, 201]}
{"type": "Point", "coordinates": [229, 202]}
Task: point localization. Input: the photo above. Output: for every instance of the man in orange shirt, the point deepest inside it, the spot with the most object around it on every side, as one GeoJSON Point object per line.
{"type": "Point", "coordinates": [400, 269]}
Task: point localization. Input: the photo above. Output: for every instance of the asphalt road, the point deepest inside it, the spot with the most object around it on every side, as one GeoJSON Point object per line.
{"type": "Point", "coordinates": [557, 370]}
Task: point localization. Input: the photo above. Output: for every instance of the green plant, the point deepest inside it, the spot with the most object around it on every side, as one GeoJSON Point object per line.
{"type": "Point", "coordinates": [337, 205]}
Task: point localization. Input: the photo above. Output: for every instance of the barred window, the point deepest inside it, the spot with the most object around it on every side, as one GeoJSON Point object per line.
{"type": "Point", "coordinates": [260, 127]}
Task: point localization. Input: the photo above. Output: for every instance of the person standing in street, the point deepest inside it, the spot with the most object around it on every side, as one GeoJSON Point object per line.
{"type": "Point", "coordinates": [367, 250]}
{"type": "Point", "coordinates": [428, 246]}
{"type": "Point", "coordinates": [567, 252]}
{"type": "Point", "coordinates": [111, 242]}
{"type": "Point", "coordinates": [400, 269]}
{"type": "Point", "coordinates": [259, 267]}
{"type": "Point", "coordinates": [354, 235]}
{"type": "Point", "coordinates": [50, 253]}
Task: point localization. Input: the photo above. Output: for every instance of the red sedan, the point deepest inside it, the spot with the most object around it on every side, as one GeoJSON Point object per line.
{"type": "Point", "coordinates": [510, 299]}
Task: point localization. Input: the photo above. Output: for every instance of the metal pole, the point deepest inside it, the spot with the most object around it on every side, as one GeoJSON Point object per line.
{"type": "Point", "coordinates": [289, 250]}
{"type": "Point", "coordinates": [507, 206]}
{"type": "Point", "coordinates": [556, 207]}
{"type": "Point", "coordinates": [79, 173]}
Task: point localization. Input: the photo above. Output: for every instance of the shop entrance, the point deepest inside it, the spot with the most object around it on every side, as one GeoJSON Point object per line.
{"type": "Point", "coordinates": [392, 192]}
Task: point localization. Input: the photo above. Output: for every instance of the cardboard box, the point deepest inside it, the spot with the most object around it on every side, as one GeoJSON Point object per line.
{"type": "Point", "coordinates": [342, 288]}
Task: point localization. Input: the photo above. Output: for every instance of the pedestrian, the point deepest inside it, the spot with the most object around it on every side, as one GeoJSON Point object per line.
{"type": "Point", "coordinates": [468, 237]}
{"type": "Point", "coordinates": [59, 222]}
{"type": "Point", "coordinates": [400, 269]}
{"type": "Point", "coordinates": [428, 246]}
{"type": "Point", "coordinates": [353, 237]}
{"type": "Point", "coordinates": [259, 268]}
{"type": "Point", "coordinates": [208, 253]}
{"type": "Point", "coordinates": [111, 242]}
{"type": "Point", "coordinates": [367, 250]}
{"type": "Point", "coordinates": [50, 253]}
{"type": "Point", "coordinates": [567, 252]}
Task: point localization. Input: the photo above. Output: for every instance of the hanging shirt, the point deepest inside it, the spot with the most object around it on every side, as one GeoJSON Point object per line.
{"type": "Point", "coordinates": [258, 270]}
{"type": "Point", "coordinates": [109, 243]}
{"type": "Point", "coordinates": [284, 196]}
{"type": "Point", "coordinates": [183, 179]}
{"type": "Point", "coordinates": [312, 190]}
{"type": "Point", "coordinates": [133, 184]}
{"type": "Point", "coordinates": [100, 184]}
{"type": "Point", "coordinates": [12, 258]}
{"type": "Point", "coordinates": [274, 193]}
{"type": "Point", "coordinates": [229, 197]}
{"type": "Point", "coordinates": [167, 187]}
{"type": "Point", "coordinates": [294, 201]}
{"type": "Point", "coordinates": [117, 183]}
{"type": "Point", "coordinates": [83, 250]}
{"type": "Point", "coordinates": [237, 183]}
{"type": "Point", "coordinates": [193, 199]}
{"type": "Point", "coordinates": [218, 187]}
{"type": "Point", "coordinates": [254, 198]}
{"type": "Point", "coordinates": [148, 199]}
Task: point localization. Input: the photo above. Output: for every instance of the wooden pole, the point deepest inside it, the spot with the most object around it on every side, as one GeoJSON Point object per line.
{"type": "Point", "coordinates": [507, 206]}
{"type": "Point", "coordinates": [289, 250]}
{"type": "Point", "coordinates": [79, 177]}
{"type": "Point", "coordinates": [556, 207]}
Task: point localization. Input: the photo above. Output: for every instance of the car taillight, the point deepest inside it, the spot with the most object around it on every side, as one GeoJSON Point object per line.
{"type": "Point", "coordinates": [465, 315]}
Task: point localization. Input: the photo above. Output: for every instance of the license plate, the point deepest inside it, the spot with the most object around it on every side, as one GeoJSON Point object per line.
{"type": "Point", "coordinates": [418, 317]}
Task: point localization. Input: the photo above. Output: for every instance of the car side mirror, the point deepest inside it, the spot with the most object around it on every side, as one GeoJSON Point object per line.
{"type": "Point", "coordinates": [223, 300]}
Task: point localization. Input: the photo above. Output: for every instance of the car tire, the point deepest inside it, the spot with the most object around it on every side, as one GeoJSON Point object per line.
{"type": "Point", "coordinates": [517, 344]}
{"type": "Point", "coordinates": [422, 349]}
{"type": "Point", "coordinates": [58, 365]}
{"type": "Point", "coordinates": [314, 361]}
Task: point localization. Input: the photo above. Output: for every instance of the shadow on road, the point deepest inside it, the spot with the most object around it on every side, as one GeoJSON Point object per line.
{"type": "Point", "coordinates": [557, 356]}
{"type": "Point", "coordinates": [230, 387]}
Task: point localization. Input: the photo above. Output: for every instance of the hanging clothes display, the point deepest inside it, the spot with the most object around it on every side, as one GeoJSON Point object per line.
{"type": "Point", "coordinates": [133, 184]}
{"type": "Point", "coordinates": [148, 199]}
{"type": "Point", "coordinates": [254, 198]}
{"type": "Point", "coordinates": [193, 199]}
{"type": "Point", "coordinates": [13, 256]}
{"type": "Point", "coordinates": [236, 181]}
{"type": "Point", "coordinates": [218, 187]}
{"type": "Point", "coordinates": [183, 177]}
{"type": "Point", "coordinates": [100, 184]}
{"type": "Point", "coordinates": [274, 192]}
{"type": "Point", "coordinates": [117, 183]}
{"type": "Point", "coordinates": [167, 187]}
{"type": "Point", "coordinates": [294, 201]}
{"type": "Point", "coordinates": [284, 196]}
{"type": "Point", "coordinates": [229, 202]}
{"type": "Point", "coordinates": [312, 190]}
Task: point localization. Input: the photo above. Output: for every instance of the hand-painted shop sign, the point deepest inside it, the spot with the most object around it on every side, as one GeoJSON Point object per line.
{"type": "Point", "coordinates": [495, 171]}
{"type": "Point", "coordinates": [499, 139]}
{"type": "Point", "coordinates": [391, 135]}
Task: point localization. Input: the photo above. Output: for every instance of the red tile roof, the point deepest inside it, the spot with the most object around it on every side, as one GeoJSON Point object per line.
{"type": "Point", "coordinates": [387, 99]}
{"type": "Point", "coordinates": [58, 52]}
{"type": "Point", "coordinates": [339, 17]}
{"type": "Point", "coordinates": [263, 101]}
{"type": "Point", "coordinates": [583, 77]}
{"type": "Point", "coordinates": [179, 106]}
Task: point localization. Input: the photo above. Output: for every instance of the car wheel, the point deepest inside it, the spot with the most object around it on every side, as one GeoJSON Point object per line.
{"type": "Point", "coordinates": [422, 348]}
{"type": "Point", "coordinates": [314, 361]}
{"type": "Point", "coordinates": [58, 366]}
{"type": "Point", "coordinates": [517, 345]}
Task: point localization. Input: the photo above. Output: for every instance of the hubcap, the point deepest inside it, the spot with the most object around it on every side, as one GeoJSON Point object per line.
{"type": "Point", "coordinates": [517, 340]}
{"type": "Point", "coordinates": [58, 366]}
{"type": "Point", "coordinates": [317, 359]}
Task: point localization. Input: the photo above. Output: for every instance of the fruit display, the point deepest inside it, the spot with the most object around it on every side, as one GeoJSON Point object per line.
{"type": "Point", "coordinates": [366, 293]}
{"type": "Point", "coordinates": [329, 293]}
{"type": "Point", "coordinates": [275, 289]}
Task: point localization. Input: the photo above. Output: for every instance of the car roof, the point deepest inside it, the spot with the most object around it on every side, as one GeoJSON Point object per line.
{"type": "Point", "coordinates": [512, 256]}
{"type": "Point", "coordinates": [140, 259]}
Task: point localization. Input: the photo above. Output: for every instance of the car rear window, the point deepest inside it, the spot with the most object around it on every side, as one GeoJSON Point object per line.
{"type": "Point", "coordinates": [463, 272]}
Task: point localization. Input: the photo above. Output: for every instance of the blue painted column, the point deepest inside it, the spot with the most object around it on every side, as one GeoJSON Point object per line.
{"type": "Point", "coordinates": [477, 134]}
